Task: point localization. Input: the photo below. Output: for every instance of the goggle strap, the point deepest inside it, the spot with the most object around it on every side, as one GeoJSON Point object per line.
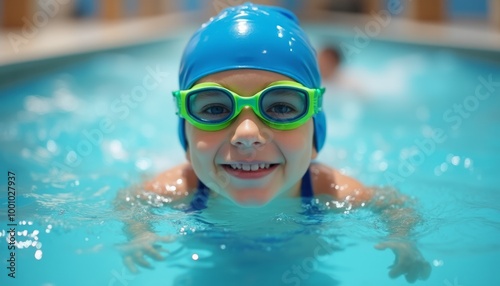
{"type": "Point", "coordinates": [318, 106]}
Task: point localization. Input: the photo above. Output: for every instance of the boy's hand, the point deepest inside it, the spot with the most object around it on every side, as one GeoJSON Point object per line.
{"type": "Point", "coordinates": [408, 261]}
{"type": "Point", "coordinates": [145, 244]}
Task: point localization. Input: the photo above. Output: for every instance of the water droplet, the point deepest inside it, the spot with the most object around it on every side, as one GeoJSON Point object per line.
{"type": "Point", "coordinates": [467, 163]}
{"type": "Point", "coordinates": [382, 166]}
{"type": "Point", "coordinates": [443, 167]}
{"type": "Point", "coordinates": [52, 146]}
{"type": "Point", "coordinates": [38, 254]}
{"type": "Point", "coordinates": [437, 262]}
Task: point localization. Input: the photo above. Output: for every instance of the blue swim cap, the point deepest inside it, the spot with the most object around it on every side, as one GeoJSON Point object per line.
{"type": "Point", "coordinates": [252, 36]}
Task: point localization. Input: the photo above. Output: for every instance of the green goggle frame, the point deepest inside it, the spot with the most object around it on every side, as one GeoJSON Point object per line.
{"type": "Point", "coordinates": [312, 103]}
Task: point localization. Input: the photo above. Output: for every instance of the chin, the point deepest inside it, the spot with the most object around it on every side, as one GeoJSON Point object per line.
{"type": "Point", "coordinates": [251, 203]}
{"type": "Point", "coordinates": [251, 198]}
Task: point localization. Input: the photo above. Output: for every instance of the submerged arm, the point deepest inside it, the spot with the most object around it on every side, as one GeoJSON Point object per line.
{"type": "Point", "coordinates": [139, 231]}
{"type": "Point", "coordinates": [394, 209]}
{"type": "Point", "coordinates": [134, 206]}
{"type": "Point", "coordinates": [400, 218]}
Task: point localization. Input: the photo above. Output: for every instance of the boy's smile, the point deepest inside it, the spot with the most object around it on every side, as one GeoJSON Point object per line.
{"type": "Point", "coordinates": [252, 170]}
{"type": "Point", "coordinates": [249, 162]}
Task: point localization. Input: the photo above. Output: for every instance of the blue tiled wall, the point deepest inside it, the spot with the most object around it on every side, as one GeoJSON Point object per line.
{"type": "Point", "coordinates": [477, 8]}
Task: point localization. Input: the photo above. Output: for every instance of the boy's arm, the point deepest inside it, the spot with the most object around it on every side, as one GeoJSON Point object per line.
{"type": "Point", "coordinates": [132, 203]}
{"type": "Point", "coordinates": [394, 209]}
{"type": "Point", "coordinates": [175, 183]}
{"type": "Point", "coordinates": [331, 182]}
{"type": "Point", "coordinates": [400, 217]}
{"type": "Point", "coordinates": [172, 185]}
{"type": "Point", "coordinates": [139, 232]}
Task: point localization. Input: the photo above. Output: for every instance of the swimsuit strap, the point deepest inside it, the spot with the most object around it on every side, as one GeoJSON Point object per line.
{"type": "Point", "coordinates": [311, 209]}
{"type": "Point", "coordinates": [200, 198]}
{"type": "Point", "coordinates": [307, 194]}
{"type": "Point", "coordinates": [306, 188]}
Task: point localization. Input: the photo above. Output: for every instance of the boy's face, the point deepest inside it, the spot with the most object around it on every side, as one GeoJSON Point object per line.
{"type": "Point", "coordinates": [221, 159]}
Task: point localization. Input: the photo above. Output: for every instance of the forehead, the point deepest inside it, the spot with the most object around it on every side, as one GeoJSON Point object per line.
{"type": "Point", "coordinates": [244, 81]}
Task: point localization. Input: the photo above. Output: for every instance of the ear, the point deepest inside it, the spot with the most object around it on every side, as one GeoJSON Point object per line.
{"type": "Point", "coordinates": [188, 156]}
{"type": "Point", "coordinates": [314, 153]}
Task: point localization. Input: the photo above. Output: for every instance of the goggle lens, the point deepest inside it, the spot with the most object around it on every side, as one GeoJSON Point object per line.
{"type": "Point", "coordinates": [280, 104]}
{"type": "Point", "coordinates": [283, 104]}
{"type": "Point", "coordinates": [210, 105]}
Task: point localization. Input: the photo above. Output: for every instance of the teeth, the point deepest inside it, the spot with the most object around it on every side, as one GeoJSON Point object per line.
{"type": "Point", "coordinates": [249, 167]}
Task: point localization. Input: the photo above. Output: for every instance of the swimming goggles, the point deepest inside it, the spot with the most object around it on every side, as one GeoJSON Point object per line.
{"type": "Point", "coordinates": [282, 105]}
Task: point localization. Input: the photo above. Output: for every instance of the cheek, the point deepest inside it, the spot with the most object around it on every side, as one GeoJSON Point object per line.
{"type": "Point", "coordinates": [203, 142]}
{"type": "Point", "coordinates": [297, 140]}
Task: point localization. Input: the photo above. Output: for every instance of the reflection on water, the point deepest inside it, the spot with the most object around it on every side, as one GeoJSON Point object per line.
{"type": "Point", "coordinates": [285, 255]}
{"type": "Point", "coordinates": [72, 151]}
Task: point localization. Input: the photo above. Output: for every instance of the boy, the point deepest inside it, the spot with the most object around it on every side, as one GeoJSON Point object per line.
{"type": "Point", "coordinates": [251, 124]}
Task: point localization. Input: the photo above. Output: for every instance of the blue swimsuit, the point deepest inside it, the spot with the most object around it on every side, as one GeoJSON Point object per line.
{"type": "Point", "coordinates": [200, 198]}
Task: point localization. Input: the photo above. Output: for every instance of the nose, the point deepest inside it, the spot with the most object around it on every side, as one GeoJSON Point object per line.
{"type": "Point", "coordinates": [249, 130]}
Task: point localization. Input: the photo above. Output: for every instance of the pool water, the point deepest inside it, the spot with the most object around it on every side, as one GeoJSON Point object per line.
{"type": "Point", "coordinates": [421, 119]}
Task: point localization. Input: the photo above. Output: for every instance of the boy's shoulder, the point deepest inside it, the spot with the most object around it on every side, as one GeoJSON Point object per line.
{"type": "Point", "coordinates": [177, 182]}
{"type": "Point", "coordinates": [329, 181]}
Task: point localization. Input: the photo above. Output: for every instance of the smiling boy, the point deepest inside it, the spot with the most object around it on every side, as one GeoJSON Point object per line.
{"type": "Point", "coordinates": [251, 123]}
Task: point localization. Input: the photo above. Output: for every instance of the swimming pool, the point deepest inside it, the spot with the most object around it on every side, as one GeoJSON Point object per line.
{"type": "Point", "coordinates": [93, 124]}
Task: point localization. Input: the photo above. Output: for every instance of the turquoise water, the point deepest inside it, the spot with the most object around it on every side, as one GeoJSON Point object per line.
{"type": "Point", "coordinates": [80, 132]}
